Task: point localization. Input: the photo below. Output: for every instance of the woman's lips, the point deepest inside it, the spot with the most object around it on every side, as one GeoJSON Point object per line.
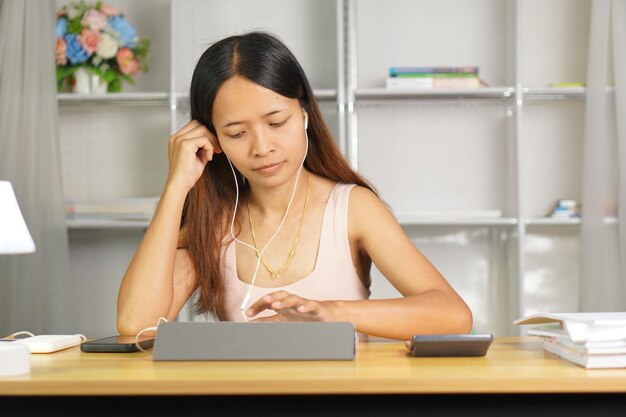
{"type": "Point", "coordinates": [269, 169]}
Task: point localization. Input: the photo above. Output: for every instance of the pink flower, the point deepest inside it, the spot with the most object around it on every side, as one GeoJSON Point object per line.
{"type": "Point", "coordinates": [109, 10]}
{"type": "Point", "coordinates": [61, 48]}
{"type": "Point", "coordinates": [89, 40]}
{"type": "Point", "coordinates": [94, 20]}
{"type": "Point", "coordinates": [127, 62]}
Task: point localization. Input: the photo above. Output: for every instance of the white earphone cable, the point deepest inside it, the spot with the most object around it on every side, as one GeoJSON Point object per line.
{"type": "Point", "coordinates": [260, 253]}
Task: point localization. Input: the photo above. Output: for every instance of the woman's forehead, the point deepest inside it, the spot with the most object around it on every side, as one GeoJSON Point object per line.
{"type": "Point", "coordinates": [239, 97]}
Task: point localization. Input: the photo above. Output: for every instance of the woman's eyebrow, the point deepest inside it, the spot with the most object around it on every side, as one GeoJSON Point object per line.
{"type": "Point", "coordinates": [265, 115]}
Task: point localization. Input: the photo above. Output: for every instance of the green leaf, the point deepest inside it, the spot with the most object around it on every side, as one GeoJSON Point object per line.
{"type": "Point", "coordinates": [74, 25]}
{"type": "Point", "coordinates": [110, 75]}
{"type": "Point", "coordinates": [115, 86]}
{"type": "Point", "coordinates": [128, 79]}
{"type": "Point", "coordinates": [141, 47]}
{"type": "Point", "coordinates": [63, 72]}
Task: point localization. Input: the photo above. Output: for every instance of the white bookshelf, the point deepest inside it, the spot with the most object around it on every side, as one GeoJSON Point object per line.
{"type": "Point", "coordinates": [534, 128]}
{"type": "Point", "coordinates": [515, 146]}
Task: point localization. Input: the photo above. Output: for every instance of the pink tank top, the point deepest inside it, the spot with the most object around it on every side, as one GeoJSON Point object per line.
{"type": "Point", "coordinates": [333, 278]}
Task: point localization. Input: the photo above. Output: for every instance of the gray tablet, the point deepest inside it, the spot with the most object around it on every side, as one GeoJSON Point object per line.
{"type": "Point", "coordinates": [226, 341]}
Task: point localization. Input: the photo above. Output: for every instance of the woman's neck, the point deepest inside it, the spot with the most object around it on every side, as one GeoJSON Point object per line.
{"type": "Point", "coordinates": [272, 202]}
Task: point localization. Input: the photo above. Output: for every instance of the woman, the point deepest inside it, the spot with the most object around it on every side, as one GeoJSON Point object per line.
{"type": "Point", "coordinates": [304, 230]}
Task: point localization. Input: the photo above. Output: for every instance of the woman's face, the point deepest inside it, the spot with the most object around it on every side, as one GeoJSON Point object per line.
{"type": "Point", "coordinates": [260, 131]}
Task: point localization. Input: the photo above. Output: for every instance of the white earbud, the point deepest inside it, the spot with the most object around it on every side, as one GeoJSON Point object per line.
{"type": "Point", "coordinates": [306, 119]}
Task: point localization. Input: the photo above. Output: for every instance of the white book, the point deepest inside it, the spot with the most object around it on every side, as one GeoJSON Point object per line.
{"type": "Point", "coordinates": [583, 327]}
{"type": "Point", "coordinates": [610, 347]}
{"type": "Point", "coordinates": [586, 360]}
{"type": "Point", "coordinates": [418, 82]}
{"type": "Point", "coordinates": [430, 82]}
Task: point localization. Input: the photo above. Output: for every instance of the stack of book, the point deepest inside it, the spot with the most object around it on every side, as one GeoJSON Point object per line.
{"type": "Point", "coordinates": [112, 209]}
{"type": "Point", "coordinates": [591, 340]}
{"type": "Point", "coordinates": [433, 77]}
{"type": "Point", "coordinates": [565, 209]}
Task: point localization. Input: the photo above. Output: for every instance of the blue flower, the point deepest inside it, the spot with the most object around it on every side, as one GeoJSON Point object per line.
{"type": "Point", "coordinates": [76, 54]}
{"type": "Point", "coordinates": [61, 28]}
{"type": "Point", "coordinates": [126, 31]}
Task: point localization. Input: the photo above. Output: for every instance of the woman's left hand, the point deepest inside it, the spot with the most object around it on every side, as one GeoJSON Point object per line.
{"type": "Point", "coordinates": [291, 307]}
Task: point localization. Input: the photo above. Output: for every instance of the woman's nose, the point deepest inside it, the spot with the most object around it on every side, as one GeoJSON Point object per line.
{"type": "Point", "coordinates": [261, 145]}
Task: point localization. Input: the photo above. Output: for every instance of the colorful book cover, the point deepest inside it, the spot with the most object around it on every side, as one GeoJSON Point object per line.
{"type": "Point", "coordinates": [433, 70]}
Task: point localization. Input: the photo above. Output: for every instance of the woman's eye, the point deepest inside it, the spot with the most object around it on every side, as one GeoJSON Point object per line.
{"type": "Point", "coordinates": [236, 135]}
{"type": "Point", "coordinates": [279, 124]}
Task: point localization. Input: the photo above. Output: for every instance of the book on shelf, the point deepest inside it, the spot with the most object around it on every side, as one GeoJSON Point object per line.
{"type": "Point", "coordinates": [433, 77]}
{"type": "Point", "coordinates": [394, 71]}
{"type": "Point", "coordinates": [120, 208]}
{"type": "Point", "coordinates": [591, 340]}
{"type": "Point", "coordinates": [565, 209]}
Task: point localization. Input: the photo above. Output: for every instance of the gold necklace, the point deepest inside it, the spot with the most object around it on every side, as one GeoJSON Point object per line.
{"type": "Point", "coordinates": [292, 252]}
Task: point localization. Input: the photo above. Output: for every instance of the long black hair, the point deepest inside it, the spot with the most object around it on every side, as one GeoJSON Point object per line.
{"type": "Point", "coordinates": [265, 60]}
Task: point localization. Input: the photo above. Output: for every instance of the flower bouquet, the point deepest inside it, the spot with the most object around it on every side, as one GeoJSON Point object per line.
{"type": "Point", "coordinates": [95, 41]}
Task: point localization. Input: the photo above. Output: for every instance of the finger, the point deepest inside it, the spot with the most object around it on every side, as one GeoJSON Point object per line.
{"type": "Point", "coordinates": [260, 305]}
{"type": "Point", "coordinates": [201, 130]}
{"type": "Point", "coordinates": [290, 301]}
{"type": "Point", "coordinates": [184, 130]}
{"type": "Point", "coordinates": [198, 143]}
{"type": "Point", "coordinates": [264, 302]}
{"type": "Point", "coordinates": [205, 155]}
{"type": "Point", "coordinates": [308, 307]}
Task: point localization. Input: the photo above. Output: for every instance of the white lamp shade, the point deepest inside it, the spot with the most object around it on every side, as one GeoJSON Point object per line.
{"type": "Point", "coordinates": [14, 235]}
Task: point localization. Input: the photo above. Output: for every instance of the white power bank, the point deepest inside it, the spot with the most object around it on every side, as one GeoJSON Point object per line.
{"type": "Point", "coordinates": [50, 343]}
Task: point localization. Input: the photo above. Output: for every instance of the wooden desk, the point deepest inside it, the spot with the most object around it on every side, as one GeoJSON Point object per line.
{"type": "Point", "coordinates": [513, 368]}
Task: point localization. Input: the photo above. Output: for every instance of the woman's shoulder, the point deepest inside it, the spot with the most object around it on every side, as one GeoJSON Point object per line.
{"type": "Point", "coordinates": [367, 212]}
{"type": "Point", "coordinates": [362, 198]}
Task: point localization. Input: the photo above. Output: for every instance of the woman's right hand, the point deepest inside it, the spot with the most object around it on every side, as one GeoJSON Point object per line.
{"type": "Point", "coordinates": [189, 150]}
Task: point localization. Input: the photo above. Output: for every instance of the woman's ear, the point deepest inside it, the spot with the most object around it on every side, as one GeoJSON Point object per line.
{"type": "Point", "coordinates": [306, 119]}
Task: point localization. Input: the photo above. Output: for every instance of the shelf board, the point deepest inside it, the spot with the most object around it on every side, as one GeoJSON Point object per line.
{"type": "Point", "coordinates": [552, 221]}
{"type": "Point", "coordinates": [438, 93]}
{"type": "Point", "coordinates": [418, 220]}
{"type": "Point", "coordinates": [550, 93]}
{"type": "Point", "coordinates": [561, 93]}
{"type": "Point", "coordinates": [74, 222]}
{"type": "Point", "coordinates": [143, 99]}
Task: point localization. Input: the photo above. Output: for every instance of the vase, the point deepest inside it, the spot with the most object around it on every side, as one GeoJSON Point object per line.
{"type": "Point", "coordinates": [87, 83]}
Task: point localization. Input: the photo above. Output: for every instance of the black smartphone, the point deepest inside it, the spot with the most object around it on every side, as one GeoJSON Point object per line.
{"type": "Point", "coordinates": [450, 344]}
{"type": "Point", "coordinates": [117, 344]}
